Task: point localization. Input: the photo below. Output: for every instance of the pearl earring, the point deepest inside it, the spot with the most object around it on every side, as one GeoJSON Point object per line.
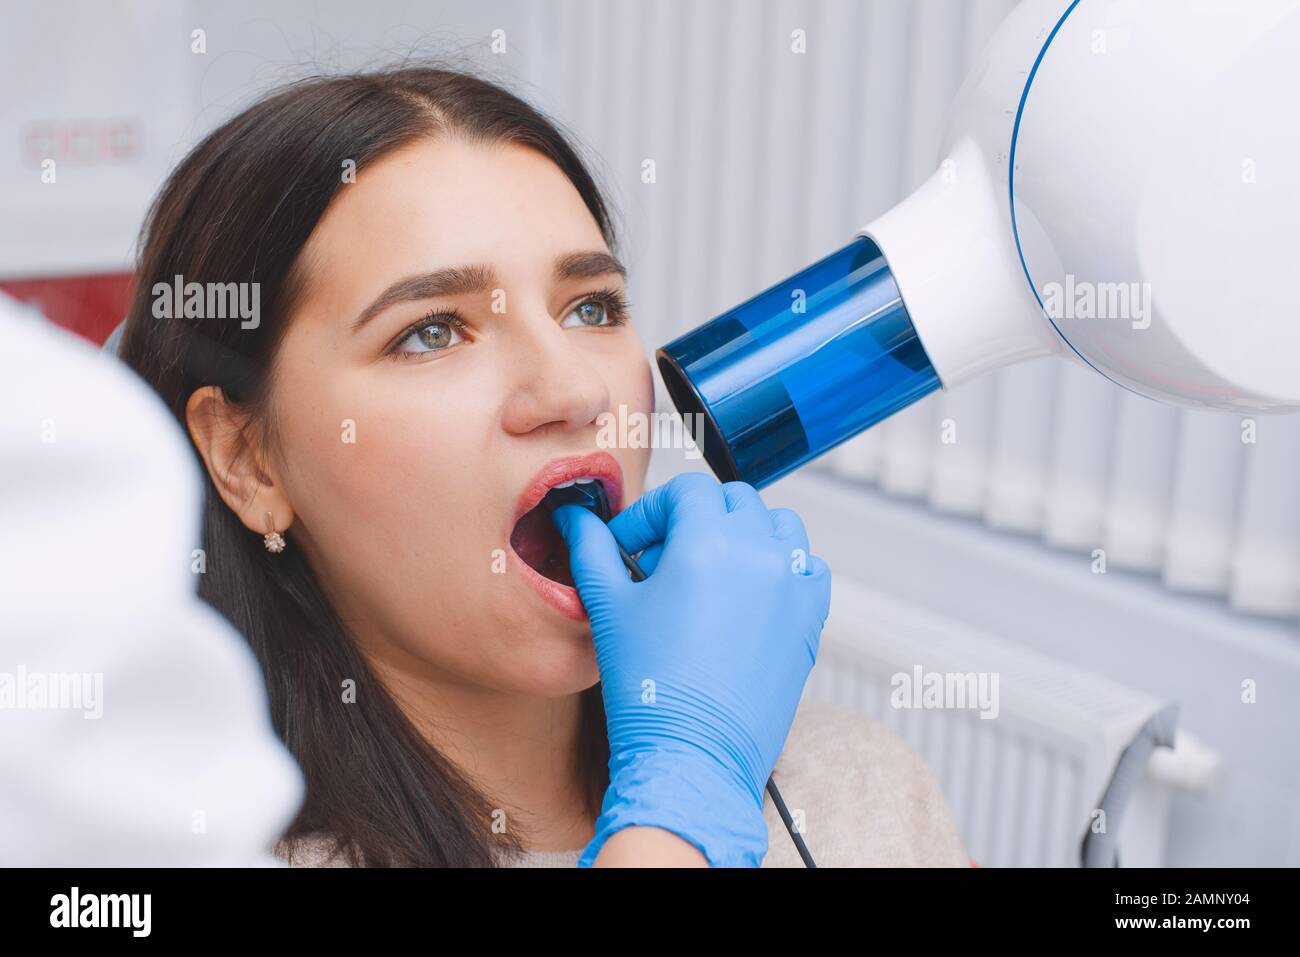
{"type": "Point", "coordinates": [273, 540]}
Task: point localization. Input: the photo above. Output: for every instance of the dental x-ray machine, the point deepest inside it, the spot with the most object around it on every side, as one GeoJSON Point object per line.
{"type": "Point", "coordinates": [1120, 185]}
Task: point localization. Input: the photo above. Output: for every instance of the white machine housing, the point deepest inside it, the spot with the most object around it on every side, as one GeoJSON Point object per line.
{"type": "Point", "coordinates": [1120, 185]}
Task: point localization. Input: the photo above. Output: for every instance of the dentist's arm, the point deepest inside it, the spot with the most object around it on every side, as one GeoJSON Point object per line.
{"type": "Point", "coordinates": [648, 847]}
{"type": "Point", "coordinates": [162, 750]}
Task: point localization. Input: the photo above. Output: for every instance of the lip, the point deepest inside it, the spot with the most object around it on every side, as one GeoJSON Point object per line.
{"type": "Point", "coordinates": [601, 465]}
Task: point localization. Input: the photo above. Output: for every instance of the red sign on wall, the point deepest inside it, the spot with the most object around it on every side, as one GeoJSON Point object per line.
{"type": "Point", "coordinates": [90, 306]}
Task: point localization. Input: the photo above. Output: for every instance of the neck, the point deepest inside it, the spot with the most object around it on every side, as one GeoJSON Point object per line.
{"type": "Point", "coordinates": [520, 750]}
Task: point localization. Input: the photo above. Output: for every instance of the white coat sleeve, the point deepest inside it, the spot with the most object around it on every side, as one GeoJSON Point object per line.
{"type": "Point", "coordinates": [134, 725]}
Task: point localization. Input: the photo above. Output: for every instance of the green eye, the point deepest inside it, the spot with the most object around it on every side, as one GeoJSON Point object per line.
{"type": "Point", "coordinates": [435, 333]}
{"type": "Point", "coordinates": [608, 307]}
{"type": "Point", "coordinates": [588, 313]}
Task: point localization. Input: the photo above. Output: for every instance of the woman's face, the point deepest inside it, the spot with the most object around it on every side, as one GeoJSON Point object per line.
{"type": "Point", "coordinates": [407, 444]}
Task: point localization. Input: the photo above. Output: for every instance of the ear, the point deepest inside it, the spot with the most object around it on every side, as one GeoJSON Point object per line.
{"type": "Point", "coordinates": [231, 452]}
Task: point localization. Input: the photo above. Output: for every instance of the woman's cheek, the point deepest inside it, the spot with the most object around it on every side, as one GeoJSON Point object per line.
{"type": "Point", "coordinates": [644, 401]}
{"type": "Point", "coordinates": [358, 465]}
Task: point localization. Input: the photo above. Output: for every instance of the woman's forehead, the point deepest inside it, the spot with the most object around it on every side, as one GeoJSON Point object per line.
{"type": "Point", "coordinates": [455, 201]}
{"type": "Point", "coordinates": [441, 203]}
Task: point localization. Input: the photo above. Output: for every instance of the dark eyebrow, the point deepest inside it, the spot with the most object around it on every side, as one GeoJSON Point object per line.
{"type": "Point", "coordinates": [587, 266]}
{"type": "Point", "coordinates": [466, 280]}
{"type": "Point", "coordinates": [452, 281]}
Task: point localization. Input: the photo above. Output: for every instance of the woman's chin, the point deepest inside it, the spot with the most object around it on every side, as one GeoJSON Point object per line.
{"type": "Point", "coordinates": [567, 666]}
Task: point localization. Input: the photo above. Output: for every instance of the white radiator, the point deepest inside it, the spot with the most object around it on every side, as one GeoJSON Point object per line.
{"type": "Point", "coordinates": [1209, 502]}
{"type": "Point", "coordinates": [1023, 783]}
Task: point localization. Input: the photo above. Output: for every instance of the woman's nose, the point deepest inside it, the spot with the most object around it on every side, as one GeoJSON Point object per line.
{"type": "Point", "coordinates": [553, 380]}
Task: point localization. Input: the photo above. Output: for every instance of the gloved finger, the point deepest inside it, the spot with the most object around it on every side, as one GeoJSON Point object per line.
{"type": "Point", "coordinates": [813, 603]}
{"type": "Point", "coordinates": [815, 591]}
{"type": "Point", "coordinates": [594, 561]}
{"type": "Point", "coordinates": [819, 574]}
{"type": "Point", "coordinates": [788, 527]}
{"type": "Point", "coordinates": [744, 502]}
{"type": "Point", "coordinates": [684, 498]}
{"type": "Point", "coordinates": [649, 559]}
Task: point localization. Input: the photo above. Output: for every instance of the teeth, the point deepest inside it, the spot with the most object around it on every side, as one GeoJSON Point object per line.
{"type": "Point", "coordinates": [577, 481]}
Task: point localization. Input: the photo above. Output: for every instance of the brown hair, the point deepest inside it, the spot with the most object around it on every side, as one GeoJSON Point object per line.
{"type": "Point", "coordinates": [239, 208]}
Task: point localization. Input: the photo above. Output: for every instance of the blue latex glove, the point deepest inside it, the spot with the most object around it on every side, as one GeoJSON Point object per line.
{"type": "Point", "coordinates": [702, 665]}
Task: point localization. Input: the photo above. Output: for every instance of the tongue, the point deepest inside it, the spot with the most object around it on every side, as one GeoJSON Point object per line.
{"type": "Point", "coordinates": [539, 543]}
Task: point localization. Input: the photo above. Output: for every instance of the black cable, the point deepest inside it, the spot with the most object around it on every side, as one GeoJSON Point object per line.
{"type": "Point", "coordinates": [795, 836]}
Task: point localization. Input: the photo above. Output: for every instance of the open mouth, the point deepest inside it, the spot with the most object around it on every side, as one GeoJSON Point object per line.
{"type": "Point", "coordinates": [539, 543]}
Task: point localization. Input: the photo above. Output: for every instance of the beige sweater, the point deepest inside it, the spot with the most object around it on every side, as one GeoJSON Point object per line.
{"type": "Point", "coordinates": [867, 798]}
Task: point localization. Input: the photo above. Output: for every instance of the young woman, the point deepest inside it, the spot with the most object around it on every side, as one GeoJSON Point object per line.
{"type": "Point", "coordinates": [441, 318]}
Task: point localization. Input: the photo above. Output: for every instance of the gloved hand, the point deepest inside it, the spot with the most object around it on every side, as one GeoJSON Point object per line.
{"type": "Point", "coordinates": [702, 665]}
